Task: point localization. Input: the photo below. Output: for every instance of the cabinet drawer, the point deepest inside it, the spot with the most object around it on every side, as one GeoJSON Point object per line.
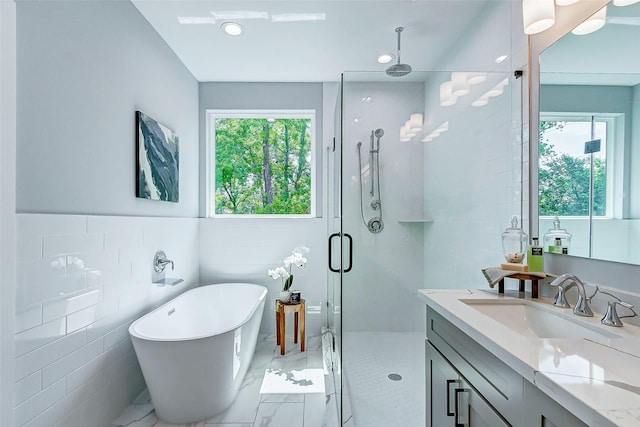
{"type": "Point", "coordinates": [541, 410]}
{"type": "Point", "coordinates": [500, 385]}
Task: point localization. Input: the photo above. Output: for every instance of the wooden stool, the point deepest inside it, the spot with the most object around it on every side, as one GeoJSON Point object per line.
{"type": "Point", "coordinates": [522, 277]}
{"type": "Point", "coordinates": [281, 309]}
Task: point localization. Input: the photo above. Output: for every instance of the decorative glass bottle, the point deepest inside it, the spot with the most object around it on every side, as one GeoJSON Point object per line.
{"type": "Point", "coordinates": [557, 240]}
{"type": "Point", "coordinates": [514, 242]}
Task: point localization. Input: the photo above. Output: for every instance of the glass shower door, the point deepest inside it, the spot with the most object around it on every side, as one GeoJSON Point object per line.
{"type": "Point", "coordinates": [331, 335]}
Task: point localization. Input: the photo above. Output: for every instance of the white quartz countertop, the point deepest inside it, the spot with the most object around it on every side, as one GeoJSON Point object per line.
{"type": "Point", "coordinates": [595, 378]}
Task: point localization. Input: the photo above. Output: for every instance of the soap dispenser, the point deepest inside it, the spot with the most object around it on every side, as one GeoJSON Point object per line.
{"type": "Point", "coordinates": [535, 257]}
{"type": "Point", "coordinates": [557, 240]}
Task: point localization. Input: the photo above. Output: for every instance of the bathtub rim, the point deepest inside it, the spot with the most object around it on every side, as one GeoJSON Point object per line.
{"type": "Point", "coordinates": [135, 334]}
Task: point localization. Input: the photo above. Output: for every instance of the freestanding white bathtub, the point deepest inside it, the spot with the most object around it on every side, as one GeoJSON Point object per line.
{"type": "Point", "coordinates": [195, 350]}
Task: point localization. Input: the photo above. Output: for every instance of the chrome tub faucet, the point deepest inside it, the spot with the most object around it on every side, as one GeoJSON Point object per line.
{"type": "Point", "coordinates": [160, 261]}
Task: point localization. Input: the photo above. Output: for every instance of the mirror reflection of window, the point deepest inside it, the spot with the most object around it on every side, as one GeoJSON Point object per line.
{"type": "Point", "coordinates": [565, 170]}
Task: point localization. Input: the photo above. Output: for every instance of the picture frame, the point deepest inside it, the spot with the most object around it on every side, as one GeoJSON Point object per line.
{"type": "Point", "coordinates": [157, 160]}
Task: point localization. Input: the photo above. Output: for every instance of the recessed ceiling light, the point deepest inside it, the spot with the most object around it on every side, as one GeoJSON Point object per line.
{"type": "Point", "coordinates": [367, 99]}
{"type": "Point", "coordinates": [196, 20]}
{"type": "Point", "coordinates": [356, 120]}
{"type": "Point", "coordinates": [385, 58]}
{"type": "Point", "coordinates": [501, 58]}
{"type": "Point", "coordinates": [232, 28]}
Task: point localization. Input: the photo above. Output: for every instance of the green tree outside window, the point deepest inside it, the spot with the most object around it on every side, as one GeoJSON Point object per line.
{"type": "Point", "coordinates": [564, 179]}
{"type": "Point", "coordinates": [263, 166]}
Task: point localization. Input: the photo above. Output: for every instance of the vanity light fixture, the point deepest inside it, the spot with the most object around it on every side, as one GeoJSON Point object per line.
{"type": "Point", "coordinates": [446, 96]}
{"type": "Point", "coordinates": [593, 23]}
{"type": "Point", "coordinates": [385, 58]}
{"type": "Point", "coordinates": [403, 135]}
{"type": "Point", "coordinates": [407, 129]}
{"type": "Point", "coordinates": [475, 78]}
{"type": "Point", "coordinates": [497, 89]}
{"type": "Point", "coordinates": [367, 99]}
{"type": "Point", "coordinates": [624, 2]}
{"type": "Point", "coordinates": [415, 122]}
{"type": "Point", "coordinates": [480, 102]}
{"type": "Point", "coordinates": [566, 2]}
{"type": "Point", "coordinates": [437, 132]}
{"type": "Point", "coordinates": [232, 28]}
{"type": "Point", "coordinates": [538, 15]}
{"type": "Point", "coordinates": [459, 84]}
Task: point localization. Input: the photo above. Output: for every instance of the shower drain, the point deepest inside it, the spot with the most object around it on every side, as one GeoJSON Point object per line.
{"type": "Point", "coordinates": [394, 377]}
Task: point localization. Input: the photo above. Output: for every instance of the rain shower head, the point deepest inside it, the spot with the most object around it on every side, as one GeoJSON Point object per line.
{"type": "Point", "coordinates": [398, 69]}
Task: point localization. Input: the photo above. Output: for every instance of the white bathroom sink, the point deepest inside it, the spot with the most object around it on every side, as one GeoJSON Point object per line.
{"type": "Point", "coordinates": [536, 320]}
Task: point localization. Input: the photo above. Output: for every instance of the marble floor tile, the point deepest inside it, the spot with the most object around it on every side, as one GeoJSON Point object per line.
{"type": "Point", "coordinates": [229, 425]}
{"type": "Point", "coordinates": [133, 414]}
{"type": "Point", "coordinates": [315, 410]}
{"type": "Point", "coordinates": [142, 398]}
{"type": "Point", "coordinates": [165, 424]}
{"type": "Point", "coordinates": [245, 406]}
{"type": "Point", "coordinates": [251, 408]}
{"type": "Point", "coordinates": [280, 415]}
{"type": "Point", "coordinates": [313, 343]}
{"type": "Point", "coordinates": [315, 359]}
{"type": "Point", "coordinates": [282, 398]}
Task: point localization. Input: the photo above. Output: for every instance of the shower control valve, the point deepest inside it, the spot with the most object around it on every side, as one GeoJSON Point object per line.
{"type": "Point", "coordinates": [375, 225]}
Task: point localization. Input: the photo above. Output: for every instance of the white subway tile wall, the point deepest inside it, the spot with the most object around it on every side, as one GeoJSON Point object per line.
{"type": "Point", "coordinates": [261, 244]}
{"type": "Point", "coordinates": [82, 280]}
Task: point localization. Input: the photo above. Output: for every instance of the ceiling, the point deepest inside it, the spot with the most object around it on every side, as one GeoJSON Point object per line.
{"type": "Point", "coordinates": [349, 38]}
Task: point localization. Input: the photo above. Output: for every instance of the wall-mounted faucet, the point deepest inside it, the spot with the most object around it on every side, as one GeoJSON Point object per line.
{"type": "Point", "coordinates": [160, 261]}
{"type": "Point", "coordinates": [582, 305]}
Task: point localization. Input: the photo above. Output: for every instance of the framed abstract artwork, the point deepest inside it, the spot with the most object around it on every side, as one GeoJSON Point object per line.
{"type": "Point", "coordinates": [158, 160]}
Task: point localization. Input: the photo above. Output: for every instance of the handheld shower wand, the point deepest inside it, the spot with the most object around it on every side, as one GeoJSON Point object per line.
{"type": "Point", "coordinates": [374, 225]}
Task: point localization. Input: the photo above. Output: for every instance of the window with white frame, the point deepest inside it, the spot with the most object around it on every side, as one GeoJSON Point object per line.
{"type": "Point", "coordinates": [261, 163]}
{"type": "Point", "coordinates": [564, 170]}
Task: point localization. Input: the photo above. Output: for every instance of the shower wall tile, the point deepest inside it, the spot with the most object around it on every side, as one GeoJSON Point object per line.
{"type": "Point", "coordinates": [82, 280]}
{"type": "Point", "coordinates": [481, 160]}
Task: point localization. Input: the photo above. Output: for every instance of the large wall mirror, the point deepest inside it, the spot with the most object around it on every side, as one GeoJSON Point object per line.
{"type": "Point", "coordinates": [590, 91]}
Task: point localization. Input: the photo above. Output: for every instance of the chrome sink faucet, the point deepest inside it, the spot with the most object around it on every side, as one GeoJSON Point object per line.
{"type": "Point", "coordinates": [611, 317]}
{"type": "Point", "coordinates": [582, 305]}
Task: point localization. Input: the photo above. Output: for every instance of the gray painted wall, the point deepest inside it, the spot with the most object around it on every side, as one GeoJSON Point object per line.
{"type": "Point", "coordinates": [7, 207]}
{"type": "Point", "coordinates": [84, 69]}
{"type": "Point", "coordinates": [261, 96]}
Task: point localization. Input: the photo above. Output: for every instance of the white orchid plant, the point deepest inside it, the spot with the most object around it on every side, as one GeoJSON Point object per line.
{"type": "Point", "coordinates": [296, 258]}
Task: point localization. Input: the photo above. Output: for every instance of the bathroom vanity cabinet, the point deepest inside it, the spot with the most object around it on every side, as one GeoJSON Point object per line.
{"type": "Point", "coordinates": [467, 386]}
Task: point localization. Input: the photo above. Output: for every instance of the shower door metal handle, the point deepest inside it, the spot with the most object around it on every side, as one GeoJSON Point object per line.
{"type": "Point", "coordinates": [348, 236]}
{"type": "Point", "coordinates": [335, 270]}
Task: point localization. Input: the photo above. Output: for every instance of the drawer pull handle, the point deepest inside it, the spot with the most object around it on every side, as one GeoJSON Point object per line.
{"type": "Point", "coordinates": [465, 418]}
{"type": "Point", "coordinates": [450, 413]}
